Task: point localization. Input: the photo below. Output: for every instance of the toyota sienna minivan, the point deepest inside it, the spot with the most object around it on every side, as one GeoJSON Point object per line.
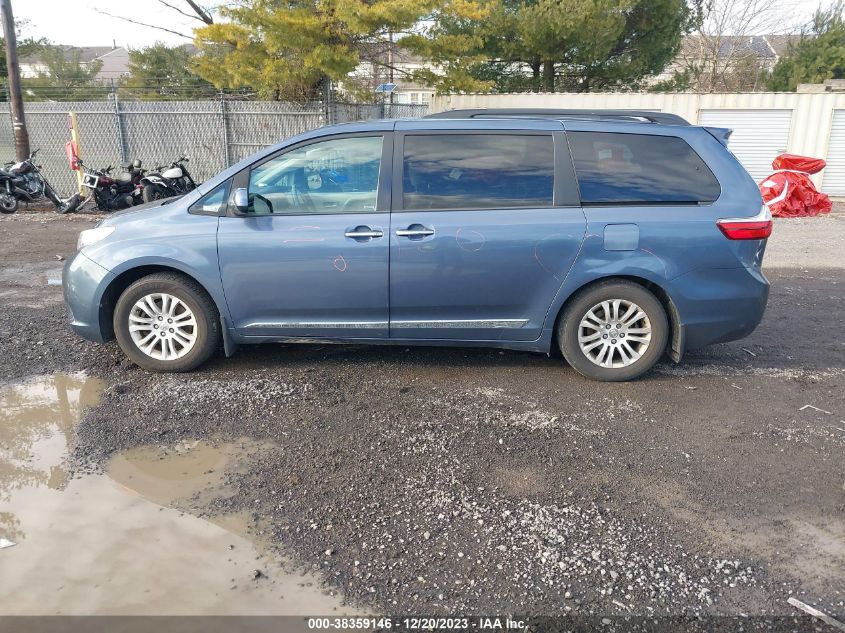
{"type": "Point", "coordinates": [613, 236]}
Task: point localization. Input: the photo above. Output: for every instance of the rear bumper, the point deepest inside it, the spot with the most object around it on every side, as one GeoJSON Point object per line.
{"type": "Point", "coordinates": [84, 283]}
{"type": "Point", "coordinates": [719, 305]}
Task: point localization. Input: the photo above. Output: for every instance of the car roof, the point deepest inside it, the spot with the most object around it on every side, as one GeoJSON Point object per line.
{"type": "Point", "coordinates": [515, 123]}
{"type": "Point", "coordinates": [630, 116]}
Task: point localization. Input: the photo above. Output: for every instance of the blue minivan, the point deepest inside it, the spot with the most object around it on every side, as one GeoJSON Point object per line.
{"type": "Point", "coordinates": [613, 236]}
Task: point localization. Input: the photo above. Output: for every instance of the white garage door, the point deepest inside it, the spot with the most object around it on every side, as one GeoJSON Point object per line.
{"type": "Point", "coordinates": [759, 135]}
{"type": "Point", "coordinates": [833, 176]}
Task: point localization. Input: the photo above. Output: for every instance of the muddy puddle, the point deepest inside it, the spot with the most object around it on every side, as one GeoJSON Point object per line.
{"type": "Point", "coordinates": [127, 542]}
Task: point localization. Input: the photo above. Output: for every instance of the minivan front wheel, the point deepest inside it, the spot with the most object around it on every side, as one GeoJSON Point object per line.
{"type": "Point", "coordinates": [166, 322]}
{"type": "Point", "coordinates": [614, 331]}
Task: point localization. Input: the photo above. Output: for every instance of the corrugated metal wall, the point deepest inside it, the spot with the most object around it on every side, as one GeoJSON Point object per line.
{"type": "Point", "coordinates": [759, 135]}
{"type": "Point", "coordinates": [834, 173]}
{"type": "Point", "coordinates": [811, 130]}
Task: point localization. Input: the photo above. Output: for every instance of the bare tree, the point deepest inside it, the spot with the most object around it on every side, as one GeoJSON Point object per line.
{"type": "Point", "coordinates": [729, 51]}
{"type": "Point", "coordinates": [189, 9]}
{"type": "Point", "coordinates": [196, 12]}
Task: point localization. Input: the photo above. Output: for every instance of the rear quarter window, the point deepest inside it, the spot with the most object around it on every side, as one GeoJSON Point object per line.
{"type": "Point", "coordinates": [615, 168]}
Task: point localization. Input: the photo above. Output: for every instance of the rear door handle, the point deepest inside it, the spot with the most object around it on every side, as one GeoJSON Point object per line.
{"type": "Point", "coordinates": [363, 233]}
{"type": "Point", "coordinates": [415, 230]}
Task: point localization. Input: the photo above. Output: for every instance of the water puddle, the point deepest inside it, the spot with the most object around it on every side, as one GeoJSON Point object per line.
{"type": "Point", "coordinates": [168, 474]}
{"type": "Point", "coordinates": [126, 542]}
{"type": "Point", "coordinates": [187, 477]}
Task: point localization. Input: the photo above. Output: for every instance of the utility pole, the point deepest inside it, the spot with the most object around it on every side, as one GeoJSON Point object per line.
{"type": "Point", "coordinates": [14, 70]}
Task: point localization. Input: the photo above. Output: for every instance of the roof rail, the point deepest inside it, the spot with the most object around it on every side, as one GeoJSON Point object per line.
{"type": "Point", "coordinates": [641, 116]}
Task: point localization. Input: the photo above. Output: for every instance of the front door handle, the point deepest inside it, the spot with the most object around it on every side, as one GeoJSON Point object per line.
{"type": "Point", "coordinates": [363, 233]}
{"type": "Point", "coordinates": [415, 230]}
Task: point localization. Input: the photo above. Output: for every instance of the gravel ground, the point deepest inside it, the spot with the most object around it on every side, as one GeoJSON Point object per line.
{"type": "Point", "coordinates": [424, 480]}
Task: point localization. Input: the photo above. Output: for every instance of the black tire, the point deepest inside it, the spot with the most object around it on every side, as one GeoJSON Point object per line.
{"type": "Point", "coordinates": [71, 204]}
{"type": "Point", "coordinates": [207, 319]}
{"type": "Point", "coordinates": [151, 193]}
{"type": "Point", "coordinates": [569, 327]}
{"type": "Point", "coordinates": [8, 204]}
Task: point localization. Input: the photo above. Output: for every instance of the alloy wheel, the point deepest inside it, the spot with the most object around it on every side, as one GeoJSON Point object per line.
{"type": "Point", "coordinates": [162, 326]}
{"type": "Point", "coordinates": [614, 333]}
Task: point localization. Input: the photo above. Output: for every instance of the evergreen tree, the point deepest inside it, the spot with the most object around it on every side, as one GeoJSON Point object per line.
{"type": "Point", "coordinates": [818, 55]}
{"type": "Point", "coordinates": [162, 71]}
{"type": "Point", "coordinates": [288, 50]}
{"type": "Point", "coordinates": [552, 45]}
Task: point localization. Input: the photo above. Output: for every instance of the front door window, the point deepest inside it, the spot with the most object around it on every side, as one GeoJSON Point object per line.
{"type": "Point", "coordinates": [335, 176]}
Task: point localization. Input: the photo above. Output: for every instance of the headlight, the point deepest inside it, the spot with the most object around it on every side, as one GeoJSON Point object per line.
{"type": "Point", "coordinates": [92, 236]}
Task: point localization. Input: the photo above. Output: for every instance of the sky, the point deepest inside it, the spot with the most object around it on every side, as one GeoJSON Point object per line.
{"type": "Point", "coordinates": [78, 22]}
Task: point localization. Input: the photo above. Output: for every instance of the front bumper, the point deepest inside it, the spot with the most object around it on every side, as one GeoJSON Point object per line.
{"type": "Point", "coordinates": [84, 283]}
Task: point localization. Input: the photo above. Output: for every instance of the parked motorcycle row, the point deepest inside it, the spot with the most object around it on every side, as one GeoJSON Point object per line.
{"type": "Point", "coordinates": [136, 185]}
{"type": "Point", "coordinates": [110, 188]}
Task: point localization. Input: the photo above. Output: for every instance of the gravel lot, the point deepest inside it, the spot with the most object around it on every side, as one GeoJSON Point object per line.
{"type": "Point", "coordinates": [420, 480]}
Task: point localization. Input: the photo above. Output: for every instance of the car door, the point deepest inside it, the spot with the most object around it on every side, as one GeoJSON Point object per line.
{"type": "Point", "coordinates": [308, 255]}
{"type": "Point", "coordinates": [485, 227]}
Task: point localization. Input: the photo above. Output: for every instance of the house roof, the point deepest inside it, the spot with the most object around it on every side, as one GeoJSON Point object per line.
{"type": "Point", "coordinates": [86, 53]}
{"type": "Point", "coordinates": [770, 46]}
{"type": "Point", "coordinates": [695, 46]}
{"type": "Point", "coordinates": [780, 43]}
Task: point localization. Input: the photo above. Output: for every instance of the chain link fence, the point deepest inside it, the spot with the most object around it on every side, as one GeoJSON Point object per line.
{"type": "Point", "coordinates": [213, 133]}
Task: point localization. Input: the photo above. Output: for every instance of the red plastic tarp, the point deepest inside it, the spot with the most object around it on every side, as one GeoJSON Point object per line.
{"type": "Point", "coordinates": [789, 192]}
{"type": "Point", "coordinates": [798, 163]}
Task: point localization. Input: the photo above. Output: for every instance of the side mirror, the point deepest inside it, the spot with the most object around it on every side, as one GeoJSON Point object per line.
{"type": "Point", "coordinates": [240, 198]}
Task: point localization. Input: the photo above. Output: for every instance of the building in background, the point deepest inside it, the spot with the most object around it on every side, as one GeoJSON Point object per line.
{"type": "Point", "coordinates": [114, 60]}
{"type": "Point", "coordinates": [726, 63]}
{"type": "Point", "coordinates": [377, 62]}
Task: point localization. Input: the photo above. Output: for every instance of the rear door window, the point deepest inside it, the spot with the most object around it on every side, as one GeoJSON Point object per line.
{"type": "Point", "coordinates": [477, 171]}
{"type": "Point", "coordinates": [617, 168]}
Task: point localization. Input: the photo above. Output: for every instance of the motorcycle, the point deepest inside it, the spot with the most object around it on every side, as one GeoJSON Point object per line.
{"type": "Point", "coordinates": [110, 192]}
{"type": "Point", "coordinates": [24, 181]}
{"type": "Point", "coordinates": [167, 181]}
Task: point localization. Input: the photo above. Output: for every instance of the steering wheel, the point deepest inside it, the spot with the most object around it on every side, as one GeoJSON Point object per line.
{"type": "Point", "coordinates": [302, 199]}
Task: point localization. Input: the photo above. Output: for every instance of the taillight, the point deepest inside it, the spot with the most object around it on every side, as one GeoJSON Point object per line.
{"type": "Point", "coordinates": [758, 227]}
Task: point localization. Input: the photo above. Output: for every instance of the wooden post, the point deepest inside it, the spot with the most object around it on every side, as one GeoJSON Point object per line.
{"type": "Point", "coordinates": [15, 96]}
{"type": "Point", "coordinates": [74, 137]}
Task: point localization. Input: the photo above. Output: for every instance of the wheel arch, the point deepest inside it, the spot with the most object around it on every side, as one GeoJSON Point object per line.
{"type": "Point", "coordinates": [676, 343]}
{"type": "Point", "coordinates": [127, 277]}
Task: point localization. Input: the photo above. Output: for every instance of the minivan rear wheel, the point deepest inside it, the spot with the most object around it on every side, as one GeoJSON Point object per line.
{"type": "Point", "coordinates": [613, 331]}
{"type": "Point", "coordinates": [166, 322]}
